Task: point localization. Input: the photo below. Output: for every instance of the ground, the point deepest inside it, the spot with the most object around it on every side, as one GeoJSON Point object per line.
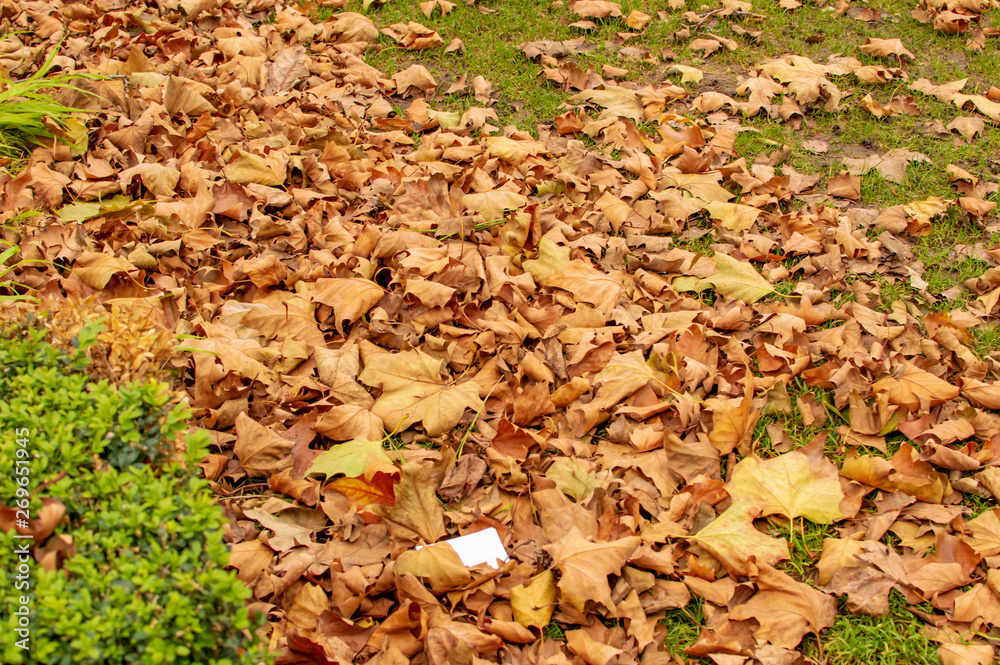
{"type": "Point", "coordinates": [696, 305]}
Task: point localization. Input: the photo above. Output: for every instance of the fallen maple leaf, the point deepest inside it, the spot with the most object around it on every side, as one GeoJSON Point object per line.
{"type": "Point", "coordinates": [595, 8]}
{"type": "Point", "coordinates": [732, 539]}
{"type": "Point", "coordinates": [534, 603]}
{"type": "Point", "coordinates": [417, 513]}
{"type": "Point", "coordinates": [789, 485]}
{"type": "Point", "coordinates": [96, 269]}
{"type": "Point", "coordinates": [892, 165]}
{"type": "Point", "coordinates": [985, 531]}
{"type": "Point", "coordinates": [986, 106]}
{"type": "Point", "coordinates": [886, 47]}
{"type": "Point", "coordinates": [414, 77]}
{"type": "Point", "coordinates": [438, 565]}
{"type": "Point", "coordinates": [915, 388]}
{"type": "Point", "coordinates": [493, 203]}
{"type": "Point", "coordinates": [979, 602]}
{"type": "Point", "coordinates": [353, 459]}
{"type": "Point", "coordinates": [738, 279]}
{"type": "Point", "coordinates": [637, 20]}
{"type": "Point", "coordinates": [946, 92]}
{"type": "Point", "coordinates": [838, 553]}
{"type": "Point", "coordinates": [805, 79]}
{"type": "Point", "coordinates": [786, 610]}
{"type": "Point", "coordinates": [260, 449]}
{"type": "Point", "coordinates": [584, 567]}
{"type": "Point", "coordinates": [845, 185]}
{"type": "Point", "coordinates": [733, 422]}
{"type": "Point", "coordinates": [903, 472]}
{"type": "Point", "coordinates": [362, 492]}
{"type": "Point", "coordinates": [413, 389]}
{"type": "Point", "coordinates": [983, 394]}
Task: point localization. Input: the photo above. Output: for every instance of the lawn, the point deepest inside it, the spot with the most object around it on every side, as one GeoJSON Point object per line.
{"type": "Point", "coordinates": [695, 304]}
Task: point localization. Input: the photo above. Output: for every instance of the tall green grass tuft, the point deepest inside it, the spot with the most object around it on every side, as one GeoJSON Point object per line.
{"type": "Point", "coordinates": [9, 289]}
{"type": "Point", "coordinates": [26, 104]}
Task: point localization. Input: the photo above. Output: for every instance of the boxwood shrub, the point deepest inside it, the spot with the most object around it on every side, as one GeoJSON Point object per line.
{"type": "Point", "coordinates": [147, 582]}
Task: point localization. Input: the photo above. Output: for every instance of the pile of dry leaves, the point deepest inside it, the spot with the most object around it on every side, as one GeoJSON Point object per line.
{"type": "Point", "coordinates": [408, 327]}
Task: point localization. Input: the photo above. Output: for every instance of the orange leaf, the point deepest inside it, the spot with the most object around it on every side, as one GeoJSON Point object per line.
{"type": "Point", "coordinates": [361, 492]}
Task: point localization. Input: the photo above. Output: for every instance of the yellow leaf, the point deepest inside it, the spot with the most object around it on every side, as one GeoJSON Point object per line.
{"type": "Point", "coordinates": [789, 485]}
{"type": "Point", "coordinates": [350, 298]}
{"type": "Point", "coordinates": [904, 472]}
{"type": "Point", "coordinates": [688, 74]}
{"type": "Point", "coordinates": [588, 284]}
{"type": "Point", "coordinates": [786, 609]}
{"type": "Point", "coordinates": [732, 536]}
{"type": "Point", "coordinates": [986, 533]}
{"type": "Point", "coordinates": [245, 168]}
{"type": "Point", "coordinates": [417, 513]}
{"type": "Point", "coordinates": [353, 459]}
{"type": "Point", "coordinates": [573, 477]}
{"type": "Point", "coordinates": [886, 47]}
{"type": "Point", "coordinates": [805, 79]}
{"type": "Point", "coordinates": [838, 553]}
{"type": "Point", "coordinates": [261, 450]}
{"type": "Point", "coordinates": [493, 203]}
{"type": "Point", "coordinates": [180, 96]}
{"type": "Point", "coordinates": [533, 604]}
{"type": "Point", "coordinates": [596, 8]}
{"type": "Point", "coordinates": [438, 565]}
{"type": "Point", "coordinates": [96, 269]}
{"type": "Point", "coordinates": [733, 421]}
{"type": "Point", "coordinates": [733, 216]}
{"type": "Point", "coordinates": [551, 259]}
{"type": "Point", "coordinates": [738, 279]}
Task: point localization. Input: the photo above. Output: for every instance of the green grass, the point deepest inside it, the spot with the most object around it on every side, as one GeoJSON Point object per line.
{"type": "Point", "coordinates": [683, 627]}
{"type": "Point", "coordinates": [554, 631]}
{"type": "Point", "coordinates": [805, 544]}
{"type": "Point", "coordinates": [10, 289]}
{"type": "Point", "coordinates": [492, 34]}
{"type": "Point", "coordinates": [987, 339]}
{"type": "Point", "coordinates": [491, 50]}
{"type": "Point", "coordinates": [794, 426]}
{"type": "Point", "coordinates": [27, 103]}
{"type": "Point", "coordinates": [978, 504]}
{"type": "Point", "coordinates": [896, 639]}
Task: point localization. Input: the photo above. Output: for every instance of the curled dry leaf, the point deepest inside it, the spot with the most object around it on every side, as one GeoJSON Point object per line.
{"type": "Point", "coordinates": [595, 8]}
{"type": "Point", "coordinates": [845, 185]}
{"type": "Point", "coordinates": [967, 127]}
{"type": "Point", "coordinates": [584, 567]}
{"type": "Point", "coordinates": [915, 389]}
{"type": "Point", "coordinates": [533, 603]}
{"type": "Point", "coordinates": [738, 279]}
{"type": "Point", "coordinates": [688, 74]}
{"type": "Point", "coordinates": [637, 20]}
{"type": "Point", "coordinates": [805, 79]}
{"type": "Point", "coordinates": [886, 47]}
{"type": "Point", "coordinates": [892, 165]}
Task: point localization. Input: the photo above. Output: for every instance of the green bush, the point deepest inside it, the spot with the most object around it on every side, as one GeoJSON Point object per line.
{"type": "Point", "coordinates": [147, 583]}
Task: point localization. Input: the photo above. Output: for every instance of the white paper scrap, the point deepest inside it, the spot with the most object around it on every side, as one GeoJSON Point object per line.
{"type": "Point", "coordinates": [479, 547]}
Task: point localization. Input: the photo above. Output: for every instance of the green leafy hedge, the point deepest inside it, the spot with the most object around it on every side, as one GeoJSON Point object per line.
{"type": "Point", "coordinates": [147, 583]}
